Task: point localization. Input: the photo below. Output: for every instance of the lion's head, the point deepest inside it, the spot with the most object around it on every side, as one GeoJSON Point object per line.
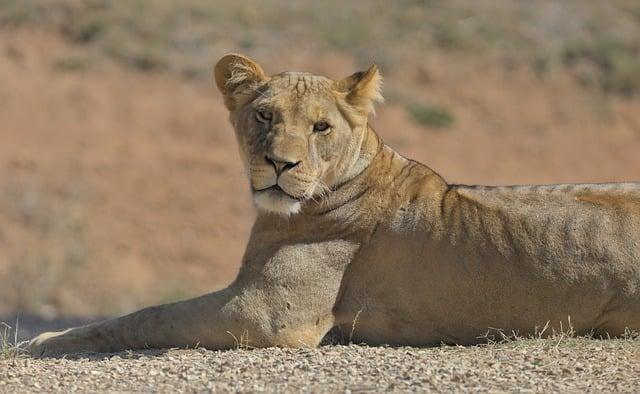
{"type": "Point", "coordinates": [300, 135]}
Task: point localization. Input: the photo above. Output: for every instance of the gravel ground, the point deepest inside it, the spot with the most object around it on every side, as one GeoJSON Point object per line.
{"type": "Point", "coordinates": [564, 364]}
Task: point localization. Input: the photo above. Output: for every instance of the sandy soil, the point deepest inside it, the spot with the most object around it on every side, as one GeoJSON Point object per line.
{"type": "Point", "coordinates": [553, 365]}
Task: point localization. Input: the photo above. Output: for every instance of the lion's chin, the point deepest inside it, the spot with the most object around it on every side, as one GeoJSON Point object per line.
{"type": "Point", "coordinates": [276, 202]}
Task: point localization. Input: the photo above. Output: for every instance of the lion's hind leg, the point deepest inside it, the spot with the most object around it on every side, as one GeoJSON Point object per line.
{"type": "Point", "coordinates": [622, 322]}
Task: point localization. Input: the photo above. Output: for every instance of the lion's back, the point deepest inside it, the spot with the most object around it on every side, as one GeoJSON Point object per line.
{"type": "Point", "coordinates": [587, 226]}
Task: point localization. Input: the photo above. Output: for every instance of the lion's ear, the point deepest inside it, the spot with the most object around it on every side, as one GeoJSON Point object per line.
{"type": "Point", "coordinates": [362, 89]}
{"type": "Point", "coordinates": [236, 75]}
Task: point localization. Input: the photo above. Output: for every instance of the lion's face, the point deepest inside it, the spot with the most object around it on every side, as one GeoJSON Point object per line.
{"type": "Point", "coordinates": [299, 134]}
{"type": "Point", "coordinates": [293, 139]}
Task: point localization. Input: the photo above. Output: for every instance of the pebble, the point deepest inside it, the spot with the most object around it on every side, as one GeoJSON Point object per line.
{"type": "Point", "coordinates": [576, 365]}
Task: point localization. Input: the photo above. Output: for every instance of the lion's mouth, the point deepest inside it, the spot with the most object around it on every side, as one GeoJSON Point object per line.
{"type": "Point", "coordinates": [276, 189]}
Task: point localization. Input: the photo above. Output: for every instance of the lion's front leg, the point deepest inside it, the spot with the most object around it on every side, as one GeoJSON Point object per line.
{"type": "Point", "coordinates": [285, 298]}
{"type": "Point", "coordinates": [214, 320]}
{"type": "Point", "coordinates": [229, 318]}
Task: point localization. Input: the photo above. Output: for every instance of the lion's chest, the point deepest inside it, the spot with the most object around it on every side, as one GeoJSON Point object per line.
{"type": "Point", "coordinates": [386, 293]}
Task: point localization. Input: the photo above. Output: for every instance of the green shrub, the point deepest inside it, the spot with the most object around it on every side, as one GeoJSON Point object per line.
{"type": "Point", "coordinates": [616, 64]}
{"type": "Point", "coordinates": [449, 37]}
{"type": "Point", "coordinates": [145, 56]}
{"type": "Point", "coordinates": [430, 115]}
{"type": "Point", "coordinates": [72, 63]}
{"type": "Point", "coordinates": [84, 31]}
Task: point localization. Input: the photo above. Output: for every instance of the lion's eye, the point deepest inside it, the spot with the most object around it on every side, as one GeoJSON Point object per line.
{"type": "Point", "coordinates": [264, 116]}
{"type": "Point", "coordinates": [319, 127]}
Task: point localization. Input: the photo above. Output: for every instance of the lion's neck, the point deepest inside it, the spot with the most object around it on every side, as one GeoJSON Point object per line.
{"type": "Point", "coordinates": [355, 175]}
{"type": "Point", "coordinates": [370, 146]}
{"type": "Point", "coordinates": [367, 175]}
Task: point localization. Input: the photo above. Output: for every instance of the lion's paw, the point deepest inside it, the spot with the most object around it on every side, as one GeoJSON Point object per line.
{"type": "Point", "coordinates": [53, 344]}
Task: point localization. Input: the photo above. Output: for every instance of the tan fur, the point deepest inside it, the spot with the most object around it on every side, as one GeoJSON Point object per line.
{"type": "Point", "coordinates": [359, 238]}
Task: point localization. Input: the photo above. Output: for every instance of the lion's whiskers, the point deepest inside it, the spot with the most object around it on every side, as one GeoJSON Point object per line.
{"type": "Point", "coordinates": [319, 193]}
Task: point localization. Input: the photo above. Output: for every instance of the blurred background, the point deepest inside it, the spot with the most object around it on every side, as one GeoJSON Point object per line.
{"type": "Point", "coordinates": [120, 182]}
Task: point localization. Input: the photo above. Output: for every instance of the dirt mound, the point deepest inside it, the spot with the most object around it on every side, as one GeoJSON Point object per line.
{"type": "Point", "coordinates": [120, 189]}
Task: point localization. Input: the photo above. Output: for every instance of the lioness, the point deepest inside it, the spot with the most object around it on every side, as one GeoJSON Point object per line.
{"type": "Point", "coordinates": [350, 234]}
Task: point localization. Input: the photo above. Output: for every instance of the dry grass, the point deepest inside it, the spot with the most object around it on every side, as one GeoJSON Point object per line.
{"type": "Point", "coordinates": [549, 361]}
{"type": "Point", "coordinates": [177, 36]}
{"type": "Point", "coordinates": [10, 346]}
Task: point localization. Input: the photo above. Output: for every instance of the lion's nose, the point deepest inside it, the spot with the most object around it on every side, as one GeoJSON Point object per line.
{"type": "Point", "coordinates": [281, 165]}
